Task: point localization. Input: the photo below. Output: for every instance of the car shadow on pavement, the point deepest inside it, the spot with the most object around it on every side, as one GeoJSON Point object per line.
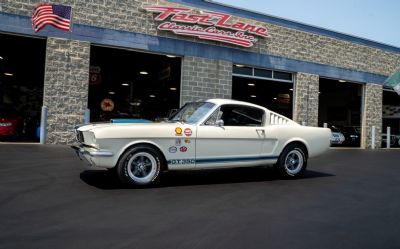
{"type": "Point", "coordinates": [104, 179]}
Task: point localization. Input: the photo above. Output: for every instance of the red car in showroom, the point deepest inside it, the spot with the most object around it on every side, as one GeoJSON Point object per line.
{"type": "Point", "coordinates": [11, 123]}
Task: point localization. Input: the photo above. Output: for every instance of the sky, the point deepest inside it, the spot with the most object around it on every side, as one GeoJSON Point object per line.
{"type": "Point", "coordinates": [376, 20]}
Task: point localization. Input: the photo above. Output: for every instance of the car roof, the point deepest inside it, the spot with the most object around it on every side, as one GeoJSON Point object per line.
{"type": "Point", "coordinates": [233, 102]}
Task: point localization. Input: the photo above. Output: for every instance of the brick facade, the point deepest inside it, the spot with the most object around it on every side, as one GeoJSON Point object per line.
{"type": "Point", "coordinates": [204, 78]}
{"type": "Point", "coordinates": [371, 115]}
{"type": "Point", "coordinates": [305, 110]}
{"type": "Point", "coordinates": [66, 86]}
{"type": "Point", "coordinates": [128, 16]}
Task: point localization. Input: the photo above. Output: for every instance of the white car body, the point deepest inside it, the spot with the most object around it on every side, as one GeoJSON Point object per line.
{"type": "Point", "coordinates": [198, 145]}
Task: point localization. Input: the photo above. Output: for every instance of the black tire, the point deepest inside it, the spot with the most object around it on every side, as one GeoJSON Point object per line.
{"type": "Point", "coordinates": [292, 162]}
{"type": "Point", "coordinates": [140, 165]}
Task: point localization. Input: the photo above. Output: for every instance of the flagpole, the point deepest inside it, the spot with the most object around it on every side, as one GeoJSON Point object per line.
{"type": "Point", "coordinates": [71, 23]}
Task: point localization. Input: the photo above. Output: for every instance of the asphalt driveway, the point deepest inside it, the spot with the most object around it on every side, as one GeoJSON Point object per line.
{"type": "Point", "coordinates": [347, 199]}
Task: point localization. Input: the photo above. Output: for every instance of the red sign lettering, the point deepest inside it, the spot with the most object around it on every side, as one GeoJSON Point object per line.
{"type": "Point", "coordinates": [210, 21]}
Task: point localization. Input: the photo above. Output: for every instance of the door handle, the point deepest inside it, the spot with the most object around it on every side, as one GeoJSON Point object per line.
{"type": "Point", "coordinates": [261, 130]}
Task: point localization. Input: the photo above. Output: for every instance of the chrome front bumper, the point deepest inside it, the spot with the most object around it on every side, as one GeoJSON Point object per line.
{"type": "Point", "coordinates": [90, 154]}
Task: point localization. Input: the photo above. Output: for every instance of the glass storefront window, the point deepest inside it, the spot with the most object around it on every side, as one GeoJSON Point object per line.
{"type": "Point", "coordinates": [263, 73]}
{"type": "Point", "coordinates": [242, 70]}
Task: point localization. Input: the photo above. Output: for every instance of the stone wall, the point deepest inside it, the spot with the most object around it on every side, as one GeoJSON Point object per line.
{"type": "Point", "coordinates": [330, 51]}
{"type": "Point", "coordinates": [371, 116]}
{"type": "Point", "coordinates": [127, 15]}
{"type": "Point", "coordinates": [65, 87]}
{"type": "Point", "coordinates": [204, 78]}
{"type": "Point", "coordinates": [305, 110]}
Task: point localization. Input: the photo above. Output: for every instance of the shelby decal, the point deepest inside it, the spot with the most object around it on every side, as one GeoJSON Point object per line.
{"type": "Point", "coordinates": [183, 149]}
{"type": "Point", "coordinates": [182, 161]}
{"type": "Point", "coordinates": [213, 25]}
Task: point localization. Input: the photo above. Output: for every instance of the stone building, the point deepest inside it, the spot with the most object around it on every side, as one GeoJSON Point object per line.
{"type": "Point", "coordinates": [193, 49]}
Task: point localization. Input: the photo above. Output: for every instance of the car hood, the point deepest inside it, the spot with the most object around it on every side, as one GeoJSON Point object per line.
{"type": "Point", "coordinates": [136, 130]}
{"type": "Point", "coordinates": [94, 126]}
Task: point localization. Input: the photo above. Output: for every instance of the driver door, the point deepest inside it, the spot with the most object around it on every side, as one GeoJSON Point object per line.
{"type": "Point", "coordinates": [237, 142]}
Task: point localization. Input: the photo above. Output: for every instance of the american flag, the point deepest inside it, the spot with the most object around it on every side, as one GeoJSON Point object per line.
{"type": "Point", "coordinates": [58, 16]}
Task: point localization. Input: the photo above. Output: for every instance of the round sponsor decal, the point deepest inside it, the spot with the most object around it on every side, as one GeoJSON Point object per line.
{"type": "Point", "coordinates": [178, 131]}
{"type": "Point", "coordinates": [172, 149]}
{"type": "Point", "coordinates": [183, 149]}
{"type": "Point", "coordinates": [187, 141]}
{"type": "Point", "coordinates": [188, 132]}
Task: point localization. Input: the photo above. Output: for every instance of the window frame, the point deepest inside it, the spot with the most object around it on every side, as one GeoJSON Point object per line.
{"type": "Point", "coordinates": [272, 78]}
{"type": "Point", "coordinates": [263, 117]}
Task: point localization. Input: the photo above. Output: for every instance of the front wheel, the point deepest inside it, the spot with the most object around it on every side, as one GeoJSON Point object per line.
{"type": "Point", "coordinates": [140, 165]}
{"type": "Point", "coordinates": [292, 162]}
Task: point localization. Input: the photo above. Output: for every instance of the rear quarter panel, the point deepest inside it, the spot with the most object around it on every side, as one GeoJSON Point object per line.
{"type": "Point", "coordinates": [316, 140]}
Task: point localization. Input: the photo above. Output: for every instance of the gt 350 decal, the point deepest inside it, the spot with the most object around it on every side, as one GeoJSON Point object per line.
{"type": "Point", "coordinates": [182, 161]}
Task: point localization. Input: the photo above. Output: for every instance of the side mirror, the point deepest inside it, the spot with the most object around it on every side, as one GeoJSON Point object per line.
{"type": "Point", "coordinates": [219, 122]}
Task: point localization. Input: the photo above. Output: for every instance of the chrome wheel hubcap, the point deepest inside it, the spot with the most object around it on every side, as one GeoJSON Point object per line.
{"type": "Point", "coordinates": [294, 162]}
{"type": "Point", "coordinates": [142, 167]}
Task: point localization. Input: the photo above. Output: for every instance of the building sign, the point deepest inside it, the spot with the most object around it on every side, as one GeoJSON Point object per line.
{"type": "Point", "coordinates": [207, 25]}
{"type": "Point", "coordinates": [107, 105]}
{"type": "Point", "coordinates": [94, 75]}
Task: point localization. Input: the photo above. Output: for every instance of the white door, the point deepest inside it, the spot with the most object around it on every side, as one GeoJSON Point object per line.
{"type": "Point", "coordinates": [180, 150]}
{"type": "Point", "coordinates": [238, 142]}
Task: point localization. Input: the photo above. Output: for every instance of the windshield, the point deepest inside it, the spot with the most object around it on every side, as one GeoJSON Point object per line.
{"type": "Point", "coordinates": [192, 112]}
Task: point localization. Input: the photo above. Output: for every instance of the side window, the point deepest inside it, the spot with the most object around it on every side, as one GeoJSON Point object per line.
{"type": "Point", "coordinates": [238, 115]}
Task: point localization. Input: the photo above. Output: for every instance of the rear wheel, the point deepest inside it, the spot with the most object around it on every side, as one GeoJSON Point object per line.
{"type": "Point", "coordinates": [293, 161]}
{"type": "Point", "coordinates": [140, 165]}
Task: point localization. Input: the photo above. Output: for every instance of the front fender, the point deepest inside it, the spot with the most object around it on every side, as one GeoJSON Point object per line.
{"type": "Point", "coordinates": [136, 142]}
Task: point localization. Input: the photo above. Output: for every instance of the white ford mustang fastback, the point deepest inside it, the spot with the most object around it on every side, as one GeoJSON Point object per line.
{"type": "Point", "coordinates": [215, 133]}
